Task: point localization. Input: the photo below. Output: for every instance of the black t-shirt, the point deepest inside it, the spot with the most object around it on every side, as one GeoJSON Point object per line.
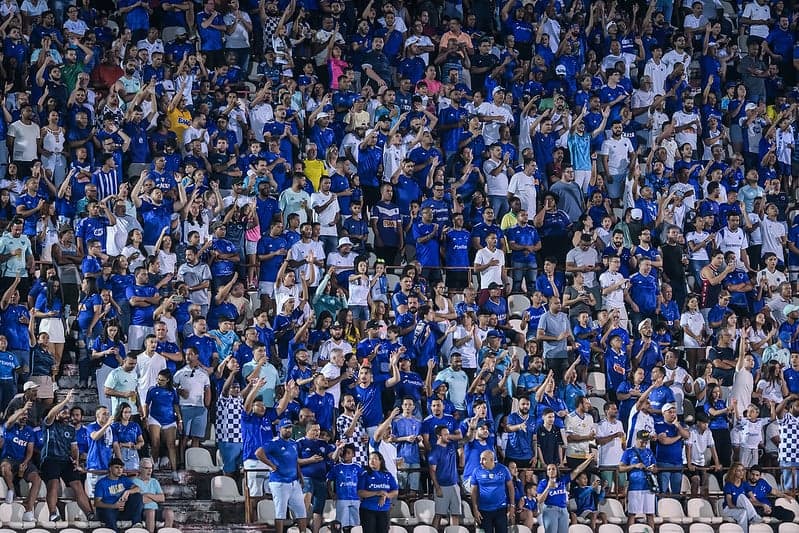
{"type": "Point", "coordinates": [549, 441]}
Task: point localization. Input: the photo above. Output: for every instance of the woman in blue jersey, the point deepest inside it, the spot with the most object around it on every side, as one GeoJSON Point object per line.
{"type": "Point", "coordinates": [719, 413]}
{"type": "Point", "coordinates": [129, 438]}
{"type": "Point", "coordinates": [90, 313]}
{"type": "Point", "coordinates": [376, 488]}
{"type": "Point", "coordinates": [736, 501]}
{"type": "Point", "coordinates": [553, 496]}
{"type": "Point", "coordinates": [107, 352]}
{"type": "Point", "coordinates": [50, 309]}
{"type": "Point", "coordinates": [162, 413]}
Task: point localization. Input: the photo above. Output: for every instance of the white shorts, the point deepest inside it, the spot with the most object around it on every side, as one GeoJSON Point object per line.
{"type": "Point", "coordinates": [153, 422]}
{"type": "Point", "coordinates": [640, 502]}
{"type": "Point", "coordinates": [347, 512]}
{"type": "Point", "coordinates": [91, 481]}
{"type": "Point", "coordinates": [250, 247]}
{"type": "Point", "coordinates": [582, 178]}
{"type": "Point", "coordinates": [287, 496]}
{"type": "Point", "coordinates": [255, 480]}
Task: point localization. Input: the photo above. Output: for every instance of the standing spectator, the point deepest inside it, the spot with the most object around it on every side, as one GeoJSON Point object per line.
{"type": "Point", "coordinates": [492, 494]}
{"type": "Point", "coordinates": [639, 462]}
{"type": "Point", "coordinates": [443, 459]}
{"type": "Point", "coordinates": [286, 479]}
{"type": "Point", "coordinates": [376, 488]}
{"type": "Point", "coordinates": [671, 435]}
{"type": "Point", "coordinates": [194, 389]}
{"type": "Point", "coordinates": [553, 495]}
{"type": "Point", "coordinates": [555, 332]}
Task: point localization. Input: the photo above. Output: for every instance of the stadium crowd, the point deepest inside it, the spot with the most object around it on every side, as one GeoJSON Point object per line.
{"type": "Point", "coordinates": [518, 254]}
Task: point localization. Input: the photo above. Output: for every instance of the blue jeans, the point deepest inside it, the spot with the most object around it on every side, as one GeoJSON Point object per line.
{"type": "Point", "coordinates": [231, 456]}
{"type": "Point", "coordinates": [789, 477]}
{"type": "Point", "coordinates": [670, 482]}
{"type": "Point", "coordinates": [500, 206]}
{"type": "Point", "coordinates": [696, 268]}
{"type": "Point", "coordinates": [555, 519]}
{"type": "Point", "coordinates": [132, 511]}
{"type": "Point", "coordinates": [525, 271]}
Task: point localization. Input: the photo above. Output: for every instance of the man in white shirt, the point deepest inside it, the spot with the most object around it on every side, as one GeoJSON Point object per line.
{"type": "Point", "coordinates": [756, 16]}
{"type": "Point", "coordinates": [678, 55]}
{"type": "Point", "coordinates": [611, 441]}
{"type": "Point", "coordinates": [489, 262]}
{"type": "Point", "coordinates": [695, 23]}
{"type": "Point", "coordinates": [148, 364]}
{"type": "Point", "coordinates": [326, 213]}
{"type": "Point", "coordinates": [194, 391]}
{"type": "Point", "coordinates": [732, 238]}
{"type": "Point", "coordinates": [580, 433]}
{"type": "Point", "coordinates": [522, 185]}
{"type": "Point", "coordinates": [495, 170]}
{"type": "Point", "coordinates": [614, 286]}
{"type": "Point", "coordinates": [618, 158]}
{"type": "Point", "coordinates": [657, 70]}
{"type": "Point", "coordinates": [701, 440]}
{"type": "Point", "coordinates": [687, 124]}
{"type": "Point", "coordinates": [493, 116]}
{"type": "Point", "coordinates": [677, 379]}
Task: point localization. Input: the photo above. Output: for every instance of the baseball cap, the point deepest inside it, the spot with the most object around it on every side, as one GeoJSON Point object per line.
{"type": "Point", "coordinates": [285, 423]}
{"type": "Point", "coordinates": [643, 435]}
{"type": "Point", "coordinates": [667, 407]}
{"type": "Point", "coordinates": [373, 324]}
{"type": "Point", "coordinates": [560, 70]}
{"type": "Point", "coordinates": [750, 106]}
{"type": "Point", "coordinates": [493, 333]}
{"type": "Point", "coordinates": [636, 214]}
{"type": "Point", "coordinates": [787, 310]}
{"type": "Point", "coordinates": [29, 385]}
{"type": "Point", "coordinates": [336, 325]}
{"type": "Point", "coordinates": [645, 322]}
{"type": "Point", "coordinates": [322, 115]}
{"type": "Point", "coordinates": [437, 383]}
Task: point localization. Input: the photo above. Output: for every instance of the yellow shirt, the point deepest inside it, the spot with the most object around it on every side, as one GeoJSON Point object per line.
{"type": "Point", "coordinates": [508, 221]}
{"type": "Point", "coordinates": [314, 170]}
{"type": "Point", "coordinates": [180, 121]}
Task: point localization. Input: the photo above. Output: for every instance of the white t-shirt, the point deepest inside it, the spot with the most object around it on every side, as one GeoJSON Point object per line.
{"type": "Point", "coordinates": [491, 274]}
{"type": "Point", "coordinates": [678, 375]}
{"type": "Point", "coordinates": [522, 186]}
{"type": "Point", "coordinates": [731, 241]}
{"type": "Point", "coordinates": [700, 442]}
{"type": "Point", "coordinates": [751, 432]}
{"type": "Point", "coordinates": [25, 140]}
{"type": "Point", "coordinates": [195, 384]}
{"type": "Point", "coordinates": [695, 237]}
{"type": "Point", "coordinates": [610, 453]}
{"type": "Point", "coordinates": [496, 185]}
{"type": "Point", "coordinates": [694, 322]}
{"type": "Point", "coordinates": [755, 11]}
{"type": "Point", "coordinates": [618, 152]}
{"type": "Point", "coordinates": [687, 135]}
{"type": "Point", "coordinates": [614, 300]}
{"type": "Point", "coordinates": [657, 72]}
{"type": "Point", "coordinates": [772, 231]}
{"type": "Point", "coordinates": [327, 217]}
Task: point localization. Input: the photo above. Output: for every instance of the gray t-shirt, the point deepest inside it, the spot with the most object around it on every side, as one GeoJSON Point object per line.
{"type": "Point", "coordinates": [554, 325]}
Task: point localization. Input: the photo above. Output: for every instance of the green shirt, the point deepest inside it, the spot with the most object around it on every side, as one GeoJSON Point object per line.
{"type": "Point", "coordinates": [69, 74]}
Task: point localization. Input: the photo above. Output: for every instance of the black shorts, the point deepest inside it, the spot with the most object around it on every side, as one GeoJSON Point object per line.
{"type": "Point", "coordinates": [55, 469]}
{"type": "Point", "coordinates": [457, 279]}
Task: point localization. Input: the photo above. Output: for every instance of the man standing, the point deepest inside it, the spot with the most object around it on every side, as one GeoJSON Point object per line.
{"type": "Point", "coordinates": [521, 429]}
{"type": "Point", "coordinates": [789, 438]}
{"type": "Point", "coordinates": [118, 497]}
{"type": "Point", "coordinates": [638, 461]}
{"type": "Point", "coordinates": [285, 481]}
{"type": "Point", "coordinates": [671, 436]}
{"type": "Point", "coordinates": [194, 390]}
{"type": "Point", "coordinates": [492, 495]}
{"type": "Point", "coordinates": [16, 257]}
{"type": "Point", "coordinates": [197, 277]}
{"type": "Point", "coordinates": [443, 460]}
{"type": "Point", "coordinates": [143, 299]}
{"type": "Point", "coordinates": [610, 440]}
{"type": "Point", "coordinates": [580, 433]}
{"type": "Point", "coordinates": [387, 226]}
{"type": "Point", "coordinates": [120, 386]}
{"type": "Point", "coordinates": [555, 332]}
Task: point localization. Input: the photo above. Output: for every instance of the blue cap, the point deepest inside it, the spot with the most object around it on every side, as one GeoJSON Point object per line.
{"type": "Point", "coordinates": [437, 383]}
{"type": "Point", "coordinates": [285, 423]}
{"type": "Point", "coordinates": [304, 80]}
{"type": "Point", "coordinates": [494, 333]}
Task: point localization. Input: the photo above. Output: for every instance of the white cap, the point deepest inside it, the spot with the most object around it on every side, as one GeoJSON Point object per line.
{"type": "Point", "coordinates": [636, 214]}
{"type": "Point", "coordinates": [344, 241]}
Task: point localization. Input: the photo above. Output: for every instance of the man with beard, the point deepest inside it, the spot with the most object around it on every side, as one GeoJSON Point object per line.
{"type": "Point", "coordinates": [285, 481]}
{"type": "Point", "coordinates": [368, 393]}
{"type": "Point", "coordinates": [350, 428]}
{"type": "Point", "coordinates": [438, 418]}
{"type": "Point", "coordinates": [618, 159]}
{"type": "Point", "coordinates": [336, 341]}
{"type": "Point", "coordinates": [60, 459]}
{"type": "Point", "coordinates": [457, 382]}
{"type": "Point", "coordinates": [17, 455]}
{"type": "Point", "coordinates": [521, 430]}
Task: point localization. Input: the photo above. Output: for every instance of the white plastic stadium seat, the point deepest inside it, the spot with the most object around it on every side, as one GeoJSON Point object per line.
{"type": "Point", "coordinates": [424, 528]}
{"type": "Point", "coordinates": [730, 528]}
{"type": "Point", "coordinates": [169, 530]}
{"type": "Point", "coordinates": [398, 529]}
{"type": "Point", "coordinates": [199, 460]}
{"type": "Point", "coordinates": [424, 510]}
{"type": "Point", "coordinates": [295, 529]}
{"type": "Point", "coordinates": [791, 505]}
{"type": "Point", "coordinates": [136, 530]}
{"type": "Point", "coordinates": [467, 518]}
{"type": "Point", "coordinates": [671, 511]}
{"type": "Point", "coordinates": [579, 528]}
{"type": "Point", "coordinates": [266, 512]}
{"type": "Point", "coordinates": [70, 530]}
{"type": "Point", "coordinates": [400, 514]}
{"type": "Point", "coordinates": [224, 489]}
{"type": "Point", "coordinates": [41, 514]}
{"type": "Point", "coordinates": [610, 528]}
{"type": "Point", "coordinates": [639, 528]}
{"type": "Point", "coordinates": [103, 530]}
{"type": "Point", "coordinates": [760, 528]}
{"type": "Point", "coordinates": [701, 511]}
{"type": "Point", "coordinates": [788, 527]}
{"type": "Point", "coordinates": [356, 529]}
{"type": "Point", "coordinates": [11, 516]}
{"type": "Point", "coordinates": [455, 529]}
{"type": "Point", "coordinates": [329, 512]}
{"type": "Point", "coordinates": [520, 528]}
{"type": "Point", "coordinates": [596, 384]}
{"type": "Point", "coordinates": [614, 511]}
{"type": "Point", "coordinates": [518, 304]}
{"type": "Point", "coordinates": [670, 528]}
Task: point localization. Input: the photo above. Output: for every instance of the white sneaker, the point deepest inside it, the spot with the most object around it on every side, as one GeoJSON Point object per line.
{"type": "Point", "coordinates": [10, 496]}
{"type": "Point", "coordinates": [27, 516]}
{"type": "Point", "coordinates": [175, 476]}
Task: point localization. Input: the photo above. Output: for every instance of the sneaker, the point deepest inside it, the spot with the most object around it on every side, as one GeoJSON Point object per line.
{"type": "Point", "coordinates": [55, 517]}
{"type": "Point", "coordinates": [10, 496]}
{"type": "Point", "coordinates": [27, 516]}
{"type": "Point", "coordinates": [138, 524]}
{"type": "Point", "coordinates": [91, 517]}
{"type": "Point", "coordinates": [175, 476]}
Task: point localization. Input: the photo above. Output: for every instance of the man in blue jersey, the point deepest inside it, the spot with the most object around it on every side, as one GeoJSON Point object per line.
{"type": "Point", "coordinates": [492, 494]}
{"type": "Point", "coordinates": [521, 431]}
{"type": "Point", "coordinates": [314, 456]}
{"type": "Point", "coordinates": [368, 393]}
{"type": "Point", "coordinates": [456, 253]}
{"type": "Point", "coordinates": [671, 437]}
{"type": "Point", "coordinates": [443, 468]}
{"type": "Point", "coordinates": [524, 242]}
{"type": "Point", "coordinates": [18, 441]}
{"type": "Point", "coordinates": [426, 234]}
{"type": "Point", "coordinates": [118, 497]}
{"type": "Point", "coordinates": [638, 462]}
{"type": "Point", "coordinates": [224, 256]}
{"type": "Point", "coordinates": [285, 481]}
{"type": "Point", "coordinates": [143, 299]}
{"type": "Point", "coordinates": [103, 445]}
{"type": "Point", "coordinates": [438, 418]}
{"type": "Point", "coordinates": [386, 224]}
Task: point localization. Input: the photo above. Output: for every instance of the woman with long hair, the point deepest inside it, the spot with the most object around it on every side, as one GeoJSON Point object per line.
{"type": "Point", "coordinates": [134, 250]}
{"type": "Point", "coordinates": [770, 385]}
{"type": "Point", "coordinates": [49, 309]}
{"type": "Point", "coordinates": [47, 231]}
{"type": "Point", "coordinates": [352, 334]}
{"type": "Point", "coordinates": [736, 501]}
{"type": "Point", "coordinates": [161, 411]}
{"type": "Point", "coordinates": [553, 496]}
{"type": "Point", "coordinates": [719, 413]}
{"type": "Point", "coordinates": [107, 353]}
{"type": "Point", "coordinates": [129, 437]}
{"type": "Point", "coordinates": [51, 146]}
{"type": "Point", "coordinates": [89, 321]}
{"type": "Point", "coordinates": [376, 488]}
{"type": "Point", "coordinates": [194, 217]}
{"type": "Point", "coordinates": [358, 298]}
{"type": "Point", "coordinates": [761, 334]}
{"type": "Point", "coordinates": [704, 369]}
